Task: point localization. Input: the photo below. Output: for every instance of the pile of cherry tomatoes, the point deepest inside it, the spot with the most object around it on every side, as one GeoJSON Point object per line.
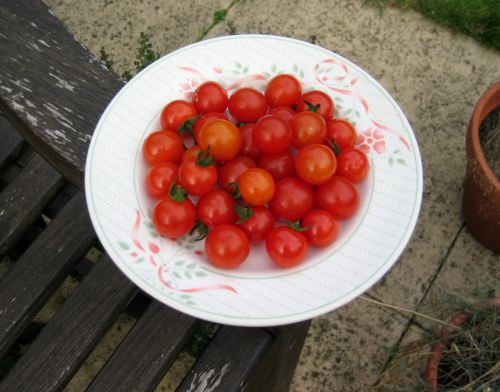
{"type": "Point", "coordinates": [274, 167]}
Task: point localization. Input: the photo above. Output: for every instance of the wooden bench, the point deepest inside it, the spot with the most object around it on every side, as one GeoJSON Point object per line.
{"type": "Point", "coordinates": [53, 90]}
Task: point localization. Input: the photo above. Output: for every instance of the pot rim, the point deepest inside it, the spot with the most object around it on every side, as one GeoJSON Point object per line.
{"type": "Point", "coordinates": [481, 110]}
{"type": "Point", "coordinates": [432, 369]}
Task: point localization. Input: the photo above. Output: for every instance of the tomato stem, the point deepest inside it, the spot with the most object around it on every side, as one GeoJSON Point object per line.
{"type": "Point", "coordinates": [187, 126]}
{"type": "Point", "coordinates": [296, 226]}
{"type": "Point", "coordinates": [334, 146]}
{"type": "Point", "coordinates": [311, 107]}
{"type": "Point", "coordinates": [202, 230]}
{"type": "Point", "coordinates": [244, 213]}
{"type": "Point", "coordinates": [177, 192]}
{"type": "Point", "coordinates": [235, 190]}
{"type": "Point", "coordinates": [204, 158]}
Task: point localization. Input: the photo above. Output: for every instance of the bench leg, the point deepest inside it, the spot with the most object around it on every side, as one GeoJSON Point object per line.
{"type": "Point", "coordinates": [275, 371]}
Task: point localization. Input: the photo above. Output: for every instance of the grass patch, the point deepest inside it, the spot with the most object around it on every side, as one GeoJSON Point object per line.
{"type": "Point", "coordinates": [478, 18]}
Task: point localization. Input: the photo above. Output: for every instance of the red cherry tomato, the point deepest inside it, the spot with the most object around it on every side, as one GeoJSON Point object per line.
{"type": "Point", "coordinates": [159, 179]}
{"type": "Point", "coordinates": [280, 165]}
{"type": "Point", "coordinates": [353, 165]}
{"type": "Point", "coordinates": [256, 186]}
{"type": "Point", "coordinates": [283, 112]}
{"type": "Point", "coordinates": [256, 222]}
{"type": "Point", "coordinates": [175, 113]}
{"type": "Point", "coordinates": [341, 132]}
{"type": "Point", "coordinates": [222, 137]}
{"type": "Point", "coordinates": [210, 97]}
{"type": "Point", "coordinates": [292, 199]}
{"type": "Point", "coordinates": [286, 247]}
{"type": "Point", "coordinates": [203, 120]}
{"type": "Point", "coordinates": [231, 170]}
{"type": "Point", "coordinates": [272, 135]}
{"type": "Point", "coordinates": [216, 208]}
{"type": "Point", "coordinates": [162, 146]}
{"type": "Point", "coordinates": [247, 104]}
{"type": "Point", "coordinates": [316, 97]}
{"type": "Point", "coordinates": [227, 246]}
{"type": "Point", "coordinates": [322, 228]}
{"type": "Point", "coordinates": [308, 128]}
{"type": "Point", "coordinates": [198, 177]}
{"type": "Point", "coordinates": [283, 90]}
{"type": "Point", "coordinates": [315, 164]}
{"type": "Point", "coordinates": [191, 154]}
{"type": "Point", "coordinates": [174, 218]}
{"type": "Point", "coordinates": [248, 147]}
{"type": "Point", "coordinates": [338, 196]}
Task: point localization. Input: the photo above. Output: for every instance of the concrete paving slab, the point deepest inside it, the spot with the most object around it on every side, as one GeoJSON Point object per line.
{"type": "Point", "coordinates": [115, 25]}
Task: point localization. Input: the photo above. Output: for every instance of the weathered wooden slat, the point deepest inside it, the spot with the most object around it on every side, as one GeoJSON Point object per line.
{"type": "Point", "coordinates": [53, 88]}
{"type": "Point", "coordinates": [22, 201]}
{"type": "Point", "coordinates": [141, 360]}
{"type": "Point", "coordinates": [228, 361]}
{"type": "Point", "coordinates": [275, 371]}
{"type": "Point", "coordinates": [73, 332]}
{"type": "Point", "coordinates": [42, 268]}
{"type": "Point", "coordinates": [10, 141]}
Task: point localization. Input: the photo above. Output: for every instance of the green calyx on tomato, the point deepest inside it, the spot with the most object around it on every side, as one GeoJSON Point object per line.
{"type": "Point", "coordinates": [200, 228]}
{"type": "Point", "coordinates": [235, 190]}
{"type": "Point", "coordinates": [296, 226]}
{"type": "Point", "coordinates": [311, 107]}
{"type": "Point", "coordinates": [187, 126]}
{"type": "Point", "coordinates": [204, 158]}
{"type": "Point", "coordinates": [177, 192]}
{"type": "Point", "coordinates": [333, 145]}
{"type": "Point", "coordinates": [244, 213]}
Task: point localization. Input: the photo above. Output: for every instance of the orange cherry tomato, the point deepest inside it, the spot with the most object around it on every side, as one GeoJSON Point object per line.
{"type": "Point", "coordinates": [256, 186]}
{"type": "Point", "coordinates": [222, 138]}
{"type": "Point", "coordinates": [315, 164]}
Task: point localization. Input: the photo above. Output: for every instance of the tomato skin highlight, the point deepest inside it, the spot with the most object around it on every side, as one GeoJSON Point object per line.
{"type": "Point", "coordinates": [175, 113]}
{"type": "Point", "coordinates": [353, 165]}
{"type": "Point", "coordinates": [222, 138]}
{"type": "Point", "coordinates": [197, 180]}
{"type": "Point", "coordinates": [159, 179]}
{"type": "Point", "coordinates": [317, 97]}
{"type": "Point", "coordinates": [272, 135]}
{"type": "Point", "coordinates": [280, 165]}
{"type": "Point", "coordinates": [210, 97]}
{"type": "Point", "coordinates": [162, 146]}
{"type": "Point", "coordinates": [315, 164]}
{"type": "Point", "coordinates": [259, 225]}
{"type": "Point", "coordinates": [216, 208]}
{"type": "Point", "coordinates": [342, 132]}
{"type": "Point", "coordinates": [292, 199]}
{"type": "Point", "coordinates": [227, 246]}
{"type": "Point", "coordinates": [174, 219]}
{"type": "Point", "coordinates": [256, 186]}
{"type": "Point", "coordinates": [286, 247]}
{"type": "Point", "coordinates": [283, 90]}
{"type": "Point", "coordinates": [322, 228]}
{"type": "Point", "coordinates": [339, 197]}
{"type": "Point", "coordinates": [307, 128]}
{"type": "Point", "coordinates": [247, 104]}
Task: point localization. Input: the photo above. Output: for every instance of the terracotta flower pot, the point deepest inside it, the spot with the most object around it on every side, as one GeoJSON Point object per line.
{"type": "Point", "coordinates": [432, 370]}
{"type": "Point", "coordinates": [481, 199]}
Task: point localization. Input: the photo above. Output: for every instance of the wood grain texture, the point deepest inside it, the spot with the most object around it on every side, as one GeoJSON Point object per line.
{"type": "Point", "coordinates": [42, 268]}
{"type": "Point", "coordinates": [52, 88]}
{"type": "Point", "coordinates": [229, 361]}
{"type": "Point", "coordinates": [22, 201]}
{"type": "Point", "coordinates": [73, 332]}
{"type": "Point", "coordinates": [10, 141]}
{"type": "Point", "coordinates": [144, 356]}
